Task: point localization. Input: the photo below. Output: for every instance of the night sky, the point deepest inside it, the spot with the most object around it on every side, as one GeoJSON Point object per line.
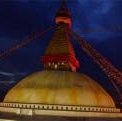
{"type": "Point", "coordinates": [97, 21]}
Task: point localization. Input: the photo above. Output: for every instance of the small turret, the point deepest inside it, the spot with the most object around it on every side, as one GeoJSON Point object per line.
{"type": "Point", "coordinates": [63, 15]}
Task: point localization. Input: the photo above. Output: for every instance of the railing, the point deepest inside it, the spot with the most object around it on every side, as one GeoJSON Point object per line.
{"type": "Point", "coordinates": [60, 107]}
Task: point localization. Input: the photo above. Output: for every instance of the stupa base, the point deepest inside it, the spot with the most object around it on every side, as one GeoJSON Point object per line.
{"type": "Point", "coordinates": [59, 110]}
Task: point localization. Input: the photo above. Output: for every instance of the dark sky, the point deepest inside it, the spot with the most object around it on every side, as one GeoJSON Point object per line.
{"type": "Point", "coordinates": [98, 21]}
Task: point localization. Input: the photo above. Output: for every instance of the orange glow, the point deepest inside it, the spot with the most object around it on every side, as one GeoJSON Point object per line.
{"type": "Point", "coordinates": [63, 20]}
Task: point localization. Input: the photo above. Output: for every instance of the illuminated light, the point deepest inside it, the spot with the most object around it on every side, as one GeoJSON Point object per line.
{"type": "Point", "coordinates": [64, 20]}
{"type": "Point", "coordinates": [49, 64]}
{"type": "Point", "coordinates": [56, 66]}
{"type": "Point", "coordinates": [62, 63]}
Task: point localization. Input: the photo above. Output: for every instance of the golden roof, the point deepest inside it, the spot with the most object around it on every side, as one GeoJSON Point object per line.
{"type": "Point", "coordinates": [60, 43]}
{"type": "Point", "coordinates": [59, 87]}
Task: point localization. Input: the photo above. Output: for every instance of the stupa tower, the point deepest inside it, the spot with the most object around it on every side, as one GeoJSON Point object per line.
{"type": "Point", "coordinates": [60, 54]}
{"type": "Point", "coordinates": [58, 89]}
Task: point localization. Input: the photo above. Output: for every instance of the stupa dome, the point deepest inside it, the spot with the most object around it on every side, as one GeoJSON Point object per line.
{"type": "Point", "coordinates": [59, 87]}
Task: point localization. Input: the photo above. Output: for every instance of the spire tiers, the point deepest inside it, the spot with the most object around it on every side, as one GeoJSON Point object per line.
{"type": "Point", "coordinates": [60, 54]}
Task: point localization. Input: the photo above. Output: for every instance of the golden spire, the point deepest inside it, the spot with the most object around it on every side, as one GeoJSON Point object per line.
{"type": "Point", "coordinates": [60, 54]}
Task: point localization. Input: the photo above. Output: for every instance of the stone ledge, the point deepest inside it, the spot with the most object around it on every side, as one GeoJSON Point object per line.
{"type": "Point", "coordinates": [59, 110]}
{"type": "Point", "coordinates": [61, 107]}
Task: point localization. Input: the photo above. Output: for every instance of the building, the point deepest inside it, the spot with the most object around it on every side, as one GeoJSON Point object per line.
{"type": "Point", "coordinates": [59, 90]}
